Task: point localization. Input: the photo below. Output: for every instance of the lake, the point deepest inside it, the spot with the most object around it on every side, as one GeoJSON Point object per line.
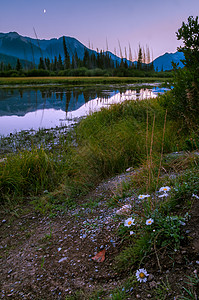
{"type": "Point", "coordinates": [34, 108]}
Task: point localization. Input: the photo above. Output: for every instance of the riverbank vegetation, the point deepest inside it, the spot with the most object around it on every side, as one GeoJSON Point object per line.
{"type": "Point", "coordinates": [6, 82]}
{"type": "Point", "coordinates": [159, 140]}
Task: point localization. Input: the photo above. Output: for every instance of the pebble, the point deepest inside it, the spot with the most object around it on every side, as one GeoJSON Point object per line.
{"type": "Point", "coordinates": [62, 259]}
{"type": "Point", "coordinates": [150, 277]}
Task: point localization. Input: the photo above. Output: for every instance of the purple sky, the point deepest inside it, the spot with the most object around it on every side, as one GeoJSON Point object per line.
{"type": "Point", "coordinates": [101, 22]}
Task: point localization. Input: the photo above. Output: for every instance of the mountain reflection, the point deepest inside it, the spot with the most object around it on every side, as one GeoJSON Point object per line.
{"type": "Point", "coordinates": [60, 104]}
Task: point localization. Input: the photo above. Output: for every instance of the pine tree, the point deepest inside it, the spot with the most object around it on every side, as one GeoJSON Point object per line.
{"type": "Point", "coordinates": [139, 62]}
{"type": "Point", "coordinates": [18, 65]}
{"type": "Point", "coordinates": [60, 65]}
{"type": "Point", "coordinates": [86, 59]}
{"type": "Point", "coordinates": [41, 64]}
{"type": "Point", "coordinates": [47, 63]}
{"type": "Point", "coordinates": [66, 55]}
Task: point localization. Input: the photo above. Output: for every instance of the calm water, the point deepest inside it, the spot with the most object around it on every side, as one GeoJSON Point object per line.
{"type": "Point", "coordinates": [25, 109]}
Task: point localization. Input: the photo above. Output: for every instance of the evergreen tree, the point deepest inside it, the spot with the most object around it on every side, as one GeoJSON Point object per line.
{"type": "Point", "coordinates": [47, 63]}
{"type": "Point", "coordinates": [55, 64]}
{"type": "Point", "coordinates": [86, 62]}
{"type": "Point", "coordinates": [139, 62]}
{"type": "Point", "coordinates": [8, 67]}
{"type": "Point", "coordinates": [41, 64]}
{"type": "Point", "coordinates": [18, 65]}
{"type": "Point", "coordinates": [60, 65]}
{"type": "Point", "coordinates": [66, 55]}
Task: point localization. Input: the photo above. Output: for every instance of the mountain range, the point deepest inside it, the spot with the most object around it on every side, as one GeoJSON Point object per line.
{"type": "Point", "coordinates": [29, 50]}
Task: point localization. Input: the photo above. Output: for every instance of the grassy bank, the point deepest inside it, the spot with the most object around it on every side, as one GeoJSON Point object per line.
{"type": "Point", "coordinates": [103, 144]}
{"type": "Point", "coordinates": [4, 81]}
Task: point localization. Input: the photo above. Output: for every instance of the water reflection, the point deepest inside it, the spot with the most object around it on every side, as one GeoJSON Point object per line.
{"type": "Point", "coordinates": [25, 109]}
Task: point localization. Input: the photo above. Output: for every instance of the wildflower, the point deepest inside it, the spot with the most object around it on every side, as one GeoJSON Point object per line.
{"type": "Point", "coordinates": [163, 195]}
{"type": "Point", "coordinates": [132, 232]}
{"type": "Point", "coordinates": [129, 222]}
{"type": "Point", "coordinates": [195, 196]}
{"type": "Point", "coordinates": [143, 196]}
{"type": "Point", "coordinates": [164, 189]}
{"type": "Point", "coordinates": [141, 275]}
{"type": "Point", "coordinates": [149, 221]}
{"type": "Point", "coordinates": [182, 223]}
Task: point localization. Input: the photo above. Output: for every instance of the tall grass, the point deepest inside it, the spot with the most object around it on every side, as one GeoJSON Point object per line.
{"type": "Point", "coordinates": [29, 172]}
{"type": "Point", "coordinates": [106, 143]}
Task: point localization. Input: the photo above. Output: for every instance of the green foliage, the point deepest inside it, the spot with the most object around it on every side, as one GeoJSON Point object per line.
{"type": "Point", "coordinates": [163, 290]}
{"type": "Point", "coordinates": [185, 101]}
{"type": "Point", "coordinates": [189, 34]}
{"type": "Point", "coordinates": [191, 290]}
{"type": "Point", "coordinates": [27, 173]}
{"type": "Point", "coordinates": [166, 229]}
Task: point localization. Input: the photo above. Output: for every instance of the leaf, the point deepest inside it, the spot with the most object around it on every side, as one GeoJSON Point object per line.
{"type": "Point", "coordinates": [99, 257]}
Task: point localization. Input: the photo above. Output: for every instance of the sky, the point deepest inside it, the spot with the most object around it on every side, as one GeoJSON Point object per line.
{"type": "Point", "coordinates": [102, 24]}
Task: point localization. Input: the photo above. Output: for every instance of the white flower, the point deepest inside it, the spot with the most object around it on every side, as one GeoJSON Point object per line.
{"type": "Point", "coordinates": [141, 275]}
{"type": "Point", "coordinates": [195, 196]}
{"type": "Point", "coordinates": [143, 196]}
{"type": "Point", "coordinates": [163, 195]}
{"type": "Point", "coordinates": [164, 189]}
{"type": "Point", "coordinates": [182, 223]}
{"type": "Point", "coordinates": [149, 221]}
{"type": "Point", "coordinates": [129, 222]}
{"type": "Point", "coordinates": [132, 232]}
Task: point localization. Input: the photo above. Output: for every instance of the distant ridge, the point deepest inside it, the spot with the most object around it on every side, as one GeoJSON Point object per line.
{"type": "Point", "coordinates": [164, 62]}
{"type": "Point", "coordinates": [13, 46]}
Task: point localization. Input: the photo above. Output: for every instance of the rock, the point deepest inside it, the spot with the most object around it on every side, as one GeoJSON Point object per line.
{"type": "Point", "coordinates": [153, 284]}
{"type": "Point", "coordinates": [124, 210]}
{"type": "Point", "coordinates": [150, 277]}
{"type": "Point", "coordinates": [129, 169]}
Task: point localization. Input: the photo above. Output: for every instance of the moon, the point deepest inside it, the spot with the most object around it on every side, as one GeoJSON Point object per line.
{"type": "Point", "coordinates": [44, 11]}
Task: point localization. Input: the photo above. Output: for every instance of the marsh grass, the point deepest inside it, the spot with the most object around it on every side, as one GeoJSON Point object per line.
{"type": "Point", "coordinates": [28, 172]}
{"type": "Point", "coordinates": [102, 145]}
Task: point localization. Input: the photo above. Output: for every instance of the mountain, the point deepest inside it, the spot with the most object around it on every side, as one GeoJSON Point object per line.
{"type": "Point", "coordinates": [28, 49]}
{"type": "Point", "coordinates": [164, 62]}
{"type": "Point", "coordinates": [12, 60]}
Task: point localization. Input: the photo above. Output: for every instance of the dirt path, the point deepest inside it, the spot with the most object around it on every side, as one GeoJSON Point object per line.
{"type": "Point", "coordinates": [50, 258]}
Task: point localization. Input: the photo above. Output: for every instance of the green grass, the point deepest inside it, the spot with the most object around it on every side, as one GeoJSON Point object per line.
{"type": "Point", "coordinates": [168, 213]}
{"type": "Point", "coordinates": [106, 143]}
{"type": "Point", "coordinates": [75, 80]}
